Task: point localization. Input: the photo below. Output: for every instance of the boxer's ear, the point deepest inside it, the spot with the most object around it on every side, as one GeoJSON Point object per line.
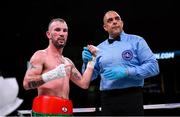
{"type": "Point", "coordinates": [48, 34]}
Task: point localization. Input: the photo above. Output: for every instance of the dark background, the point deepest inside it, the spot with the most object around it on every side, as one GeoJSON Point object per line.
{"type": "Point", "coordinates": [24, 23]}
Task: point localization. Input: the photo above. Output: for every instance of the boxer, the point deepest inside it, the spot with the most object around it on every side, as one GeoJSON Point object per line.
{"type": "Point", "coordinates": [50, 72]}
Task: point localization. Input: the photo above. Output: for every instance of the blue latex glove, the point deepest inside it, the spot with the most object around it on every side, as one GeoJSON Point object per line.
{"type": "Point", "coordinates": [115, 73]}
{"type": "Point", "coordinates": [86, 55]}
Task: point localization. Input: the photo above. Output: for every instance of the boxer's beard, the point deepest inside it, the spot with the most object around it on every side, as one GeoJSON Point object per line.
{"type": "Point", "coordinates": [57, 45]}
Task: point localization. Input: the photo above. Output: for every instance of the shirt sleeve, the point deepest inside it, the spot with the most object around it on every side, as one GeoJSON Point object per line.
{"type": "Point", "coordinates": [148, 65]}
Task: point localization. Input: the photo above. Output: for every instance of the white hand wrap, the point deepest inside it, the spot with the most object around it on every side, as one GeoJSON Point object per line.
{"type": "Point", "coordinates": [97, 50]}
{"type": "Point", "coordinates": [58, 72]}
{"type": "Point", "coordinates": [91, 63]}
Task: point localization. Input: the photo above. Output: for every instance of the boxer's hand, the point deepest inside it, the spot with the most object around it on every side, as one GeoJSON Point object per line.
{"type": "Point", "coordinates": [115, 72]}
{"type": "Point", "coordinates": [86, 55]}
{"type": "Point", "coordinates": [93, 49]}
{"type": "Point", "coordinates": [58, 72]}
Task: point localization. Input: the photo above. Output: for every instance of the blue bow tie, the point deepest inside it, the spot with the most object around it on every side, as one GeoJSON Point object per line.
{"type": "Point", "coordinates": [115, 39]}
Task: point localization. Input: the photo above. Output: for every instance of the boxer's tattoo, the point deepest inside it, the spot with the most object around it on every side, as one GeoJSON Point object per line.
{"type": "Point", "coordinates": [31, 66]}
{"type": "Point", "coordinates": [68, 69]}
{"type": "Point", "coordinates": [75, 75]}
{"type": "Point", "coordinates": [34, 84]}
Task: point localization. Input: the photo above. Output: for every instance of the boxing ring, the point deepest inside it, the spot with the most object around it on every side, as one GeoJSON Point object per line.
{"type": "Point", "coordinates": [23, 113]}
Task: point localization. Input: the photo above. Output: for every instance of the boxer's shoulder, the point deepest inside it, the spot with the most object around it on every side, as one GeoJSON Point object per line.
{"type": "Point", "coordinates": [67, 60]}
{"type": "Point", "coordinates": [39, 55]}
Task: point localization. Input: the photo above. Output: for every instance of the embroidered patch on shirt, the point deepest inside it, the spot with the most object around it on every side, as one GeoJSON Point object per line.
{"type": "Point", "coordinates": [127, 55]}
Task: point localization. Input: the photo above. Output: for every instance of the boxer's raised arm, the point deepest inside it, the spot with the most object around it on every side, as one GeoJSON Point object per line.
{"type": "Point", "coordinates": [82, 80]}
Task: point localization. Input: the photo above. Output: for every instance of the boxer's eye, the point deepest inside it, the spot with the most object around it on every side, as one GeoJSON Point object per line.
{"type": "Point", "coordinates": [65, 30]}
{"type": "Point", "coordinates": [58, 29]}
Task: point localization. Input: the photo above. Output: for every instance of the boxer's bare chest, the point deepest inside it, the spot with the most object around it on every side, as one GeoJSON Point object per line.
{"type": "Point", "coordinates": [60, 84]}
{"type": "Point", "coordinates": [53, 61]}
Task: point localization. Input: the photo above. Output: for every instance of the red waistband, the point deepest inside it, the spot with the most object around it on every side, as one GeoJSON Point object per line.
{"type": "Point", "coordinates": [52, 105]}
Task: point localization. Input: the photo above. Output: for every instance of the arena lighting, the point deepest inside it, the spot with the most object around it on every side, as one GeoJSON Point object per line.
{"type": "Point", "coordinates": [167, 55]}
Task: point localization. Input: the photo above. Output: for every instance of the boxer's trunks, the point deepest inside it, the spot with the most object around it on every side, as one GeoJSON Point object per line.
{"type": "Point", "coordinates": [51, 106]}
